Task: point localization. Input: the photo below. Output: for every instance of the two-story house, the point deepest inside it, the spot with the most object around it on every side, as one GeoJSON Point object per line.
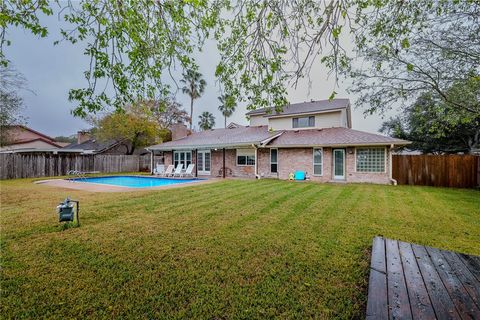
{"type": "Point", "coordinates": [314, 137]}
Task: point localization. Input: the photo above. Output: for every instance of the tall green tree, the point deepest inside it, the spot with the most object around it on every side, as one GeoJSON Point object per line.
{"type": "Point", "coordinates": [167, 112]}
{"type": "Point", "coordinates": [135, 126]}
{"type": "Point", "coordinates": [207, 121]}
{"type": "Point", "coordinates": [227, 106]}
{"type": "Point", "coordinates": [436, 126]}
{"type": "Point", "coordinates": [264, 45]}
{"type": "Point", "coordinates": [430, 59]}
{"type": "Point", "coordinates": [194, 86]}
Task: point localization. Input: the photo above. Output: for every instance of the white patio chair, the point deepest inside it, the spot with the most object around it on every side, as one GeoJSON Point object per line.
{"type": "Point", "coordinates": [169, 171]}
{"type": "Point", "coordinates": [178, 170]}
{"type": "Point", "coordinates": [159, 170]}
{"type": "Point", "coordinates": [188, 172]}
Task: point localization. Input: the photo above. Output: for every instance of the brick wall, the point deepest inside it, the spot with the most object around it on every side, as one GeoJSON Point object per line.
{"type": "Point", "coordinates": [290, 160]}
{"type": "Point", "coordinates": [231, 164]}
{"type": "Point", "coordinates": [373, 177]}
{"type": "Point", "coordinates": [293, 159]}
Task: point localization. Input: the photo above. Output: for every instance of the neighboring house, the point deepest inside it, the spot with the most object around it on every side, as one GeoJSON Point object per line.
{"type": "Point", "coordinates": [23, 138]}
{"type": "Point", "coordinates": [89, 145]}
{"type": "Point", "coordinates": [314, 137]}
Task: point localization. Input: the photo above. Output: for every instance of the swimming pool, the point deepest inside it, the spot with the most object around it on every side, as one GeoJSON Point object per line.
{"type": "Point", "coordinates": [133, 181]}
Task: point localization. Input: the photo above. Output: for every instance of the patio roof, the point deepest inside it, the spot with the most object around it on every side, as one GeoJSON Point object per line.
{"type": "Point", "coordinates": [261, 136]}
{"type": "Point", "coordinates": [220, 138]}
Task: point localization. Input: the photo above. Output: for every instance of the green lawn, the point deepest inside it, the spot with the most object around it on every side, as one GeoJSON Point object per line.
{"type": "Point", "coordinates": [227, 250]}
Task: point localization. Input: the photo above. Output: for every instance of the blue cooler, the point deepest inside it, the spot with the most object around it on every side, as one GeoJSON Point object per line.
{"type": "Point", "coordinates": [299, 175]}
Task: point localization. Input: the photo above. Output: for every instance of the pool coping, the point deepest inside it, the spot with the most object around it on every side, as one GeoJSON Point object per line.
{"type": "Point", "coordinates": [97, 187]}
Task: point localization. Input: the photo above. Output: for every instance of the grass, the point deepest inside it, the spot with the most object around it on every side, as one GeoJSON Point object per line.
{"type": "Point", "coordinates": [227, 250]}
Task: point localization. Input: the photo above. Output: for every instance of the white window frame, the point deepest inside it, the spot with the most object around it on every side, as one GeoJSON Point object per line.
{"type": "Point", "coordinates": [204, 156]}
{"type": "Point", "coordinates": [313, 162]}
{"type": "Point", "coordinates": [185, 157]}
{"type": "Point", "coordinates": [245, 152]}
{"type": "Point", "coordinates": [299, 117]}
{"type": "Point", "coordinates": [372, 147]}
{"type": "Point", "coordinates": [271, 160]}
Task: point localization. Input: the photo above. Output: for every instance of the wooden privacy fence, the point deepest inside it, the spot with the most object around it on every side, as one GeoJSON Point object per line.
{"type": "Point", "coordinates": [458, 171]}
{"type": "Point", "coordinates": [14, 165]}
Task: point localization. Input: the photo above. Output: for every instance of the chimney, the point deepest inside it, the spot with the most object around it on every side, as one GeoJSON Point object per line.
{"type": "Point", "coordinates": [83, 136]}
{"type": "Point", "coordinates": [179, 131]}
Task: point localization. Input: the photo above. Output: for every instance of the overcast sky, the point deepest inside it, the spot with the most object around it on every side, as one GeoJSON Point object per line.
{"type": "Point", "coordinates": [52, 70]}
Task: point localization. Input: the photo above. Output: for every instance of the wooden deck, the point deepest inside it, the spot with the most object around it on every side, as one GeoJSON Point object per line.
{"type": "Point", "coordinates": [409, 281]}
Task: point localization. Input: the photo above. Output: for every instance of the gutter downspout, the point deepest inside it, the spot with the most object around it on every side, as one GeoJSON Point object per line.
{"type": "Point", "coordinates": [393, 181]}
{"type": "Point", "coordinates": [256, 161]}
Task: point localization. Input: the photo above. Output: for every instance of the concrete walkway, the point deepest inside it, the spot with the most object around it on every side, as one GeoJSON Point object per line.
{"type": "Point", "coordinates": [95, 187]}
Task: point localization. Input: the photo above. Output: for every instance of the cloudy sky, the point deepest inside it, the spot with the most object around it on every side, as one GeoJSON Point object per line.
{"type": "Point", "coordinates": [52, 70]}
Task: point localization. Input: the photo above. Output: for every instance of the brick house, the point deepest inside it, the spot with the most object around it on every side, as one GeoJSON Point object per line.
{"type": "Point", "coordinates": [24, 138]}
{"type": "Point", "coordinates": [314, 137]}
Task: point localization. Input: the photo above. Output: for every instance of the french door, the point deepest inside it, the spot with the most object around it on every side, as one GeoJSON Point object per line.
{"type": "Point", "coordinates": [203, 162]}
{"type": "Point", "coordinates": [183, 157]}
{"type": "Point", "coordinates": [339, 164]}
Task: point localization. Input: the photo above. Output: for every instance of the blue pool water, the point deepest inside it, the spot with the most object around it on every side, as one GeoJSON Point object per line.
{"type": "Point", "coordinates": [134, 182]}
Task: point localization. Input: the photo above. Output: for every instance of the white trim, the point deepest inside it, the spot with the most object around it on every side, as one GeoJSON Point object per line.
{"type": "Point", "coordinates": [344, 164]}
{"type": "Point", "coordinates": [204, 152]}
{"type": "Point", "coordinates": [185, 157]}
{"type": "Point", "coordinates": [271, 160]}
{"type": "Point", "coordinates": [264, 142]}
{"type": "Point", "coordinates": [313, 161]}
{"type": "Point", "coordinates": [285, 115]}
{"type": "Point", "coordinates": [384, 159]}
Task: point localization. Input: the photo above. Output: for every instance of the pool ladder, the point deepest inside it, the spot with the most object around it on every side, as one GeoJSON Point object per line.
{"type": "Point", "coordinates": [77, 174]}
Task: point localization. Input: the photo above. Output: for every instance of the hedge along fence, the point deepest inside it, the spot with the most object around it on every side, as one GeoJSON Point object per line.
{"type": "Point", "coordinates": [458, 171]}
{"type": "Point", "coordinates": [14, 165]}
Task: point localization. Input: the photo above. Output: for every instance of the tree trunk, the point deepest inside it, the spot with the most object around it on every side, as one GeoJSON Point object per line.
{"type": "Point", "coordinates": [225, 122]}
{"type": "Point", "coordinates": [191, 113]}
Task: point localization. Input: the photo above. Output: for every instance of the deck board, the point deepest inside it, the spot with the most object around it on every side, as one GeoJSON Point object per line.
{"type": "Point", "coordinates": [410, 281]}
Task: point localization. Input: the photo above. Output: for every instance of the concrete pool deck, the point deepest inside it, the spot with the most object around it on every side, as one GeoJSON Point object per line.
{"type": "Point", "coordinates": [96, 187]}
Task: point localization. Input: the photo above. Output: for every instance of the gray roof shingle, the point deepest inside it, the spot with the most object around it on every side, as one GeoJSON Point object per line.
{"type": "Point", "coordinates": [93, 144]}
{"type": "Point", "coordinates": [304, 107]}
{"type": "Point", "coordinates": [332, 137]}
{"type": "Point", "coordinates": [219, 138]}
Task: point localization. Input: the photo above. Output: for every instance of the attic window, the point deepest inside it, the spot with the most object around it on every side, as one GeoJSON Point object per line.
{"type": "Point", "coordinates": [303, 122]}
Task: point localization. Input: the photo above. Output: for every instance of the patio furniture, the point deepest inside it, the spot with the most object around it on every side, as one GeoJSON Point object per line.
{"type": "Point", "coordinates": [169, 171]}
{"type": "Point", "coordinates": [160, 169]}
{"type": "Point", "coordinates": [189, 171]}
{"type": "Point", "coordinates": [299, 175]}
{"type": "Point", "coordinates": [178, 170]}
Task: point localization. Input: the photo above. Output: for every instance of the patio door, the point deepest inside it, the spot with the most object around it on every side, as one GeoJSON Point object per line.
{"type": "Point", "coordinates": [203, 162]}
{"type": "Point", "coordinates": [339, 164]}
{"type": "Point", "coordinates": [183, 157]}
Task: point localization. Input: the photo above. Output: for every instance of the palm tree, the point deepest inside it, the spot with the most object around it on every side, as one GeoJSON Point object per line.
{"type": "Point", "coordinates": [194, 86]}
{"type": "Point", "coordinates": [207, 120]}
{"type": "Point", "coordinates": [227, 107]}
